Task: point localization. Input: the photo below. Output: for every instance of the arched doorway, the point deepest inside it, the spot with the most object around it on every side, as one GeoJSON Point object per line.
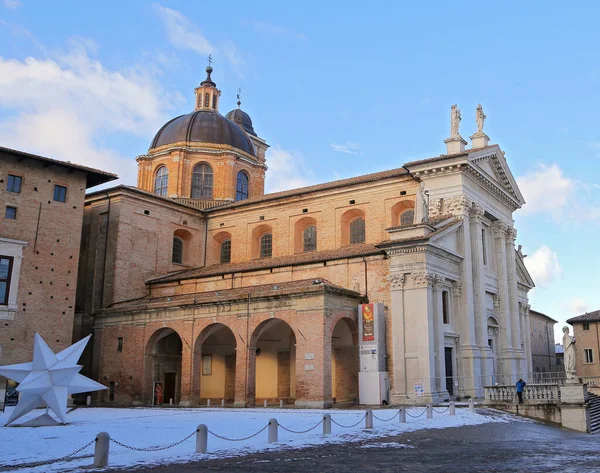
{"type": "Point", "coordinates": [215, 364]}
{"type": "Point", "coordinates": [273, 363]}
{"type": "Point", "coordinates": [162, 364]}
{"type": "Point", "coordinates": [344, 362]}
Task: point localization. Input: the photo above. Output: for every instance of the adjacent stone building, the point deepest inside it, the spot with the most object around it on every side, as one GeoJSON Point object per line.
{"type": "Point", "coordinates": [586, 329]}
{"type": "Point", "coordinates": [197, 285]}
{"type": "Point", "coordinates": [543, 353]}
{"type": "Point", "coordinates": [40, 233]}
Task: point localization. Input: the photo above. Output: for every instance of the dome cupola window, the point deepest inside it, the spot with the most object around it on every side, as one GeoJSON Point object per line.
{"type": "Point", "coordinates": [161, 181]}
{"type": "Point", "coordinates": [202, 182]}
{"type": "Point", "coordinates": [242, 186]}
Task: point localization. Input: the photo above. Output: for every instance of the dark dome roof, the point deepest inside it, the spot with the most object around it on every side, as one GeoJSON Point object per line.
{"type": "Point", "coordinates": [242, 119]}
{"type": "Point", "coordinates": [205, 126]}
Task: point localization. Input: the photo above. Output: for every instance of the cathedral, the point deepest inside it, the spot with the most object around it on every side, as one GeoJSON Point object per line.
{"type": "Point", "coordinates": [199, 287]}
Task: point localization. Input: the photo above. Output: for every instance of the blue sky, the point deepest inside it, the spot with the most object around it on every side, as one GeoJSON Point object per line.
{"type": "Point", "coordinates": [337, 89]}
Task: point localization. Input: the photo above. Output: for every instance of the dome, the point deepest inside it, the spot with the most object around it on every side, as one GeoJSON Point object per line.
{"type": "Point", "coordinates": [242, 119]}
{"type": "Point", "coordinates": [204, 126]}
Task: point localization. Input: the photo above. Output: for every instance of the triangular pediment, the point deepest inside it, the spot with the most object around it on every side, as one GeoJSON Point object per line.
{"type": "Point", "coordinates": [491, 163]}
{"type": "Point", "coordinates": [523, 276]}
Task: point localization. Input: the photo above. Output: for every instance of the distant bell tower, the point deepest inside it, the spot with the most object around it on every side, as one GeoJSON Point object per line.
{"type": "Point", "coordinates": [207, 94]}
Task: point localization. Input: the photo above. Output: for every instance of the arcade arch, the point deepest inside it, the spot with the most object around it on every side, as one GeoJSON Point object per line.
{"type": "Point", "coordinates": [215, 364]}
{"type": "Point", "coordinates": [344, 361]}
{"type": "Point", "coordinates": [162, 366]}
{"type": "Point", "coordinates": [273, 362]}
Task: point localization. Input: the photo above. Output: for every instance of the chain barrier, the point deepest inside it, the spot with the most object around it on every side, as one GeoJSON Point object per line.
{"type": "Point", "coordinates": [348, 426]}
{"type": "Point", "coordinates": [441, 412]}
{"type": "Point", "coordinates": [414, 417]}
{"type": "Point", "coordinates": [302, 431]}
{"type": "Point", "coordinates": [387, 420]}
{"type": "Point", "coordinates": [237, 440]}
{"type": "Point", "coordinates": [153, 449]}
{"type": "Point", "coordinates": [49, 462]}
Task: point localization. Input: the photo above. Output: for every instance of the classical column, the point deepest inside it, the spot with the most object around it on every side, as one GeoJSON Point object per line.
{"type": "Point", "coordinates": [528, 333]}
{"type": "Point", "coordinates": [476, 218]}
{"type": "Point", "coordinates": [511, 267]}
{"type": "Point", "coordinates": [506, 346]}
{"type": "Point", "coordinates": [399, 350]}
{"type": "Point", "coordinates": [438, 327]}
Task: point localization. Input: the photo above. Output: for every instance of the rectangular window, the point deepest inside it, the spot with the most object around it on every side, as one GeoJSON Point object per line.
{"type": "Point", "coordinates": [14, 183]}
{"type": "Point", "coordinates": [206, 365]}
{"type": "Point", "coordinates": [11, 213]}
{"type": "Point", "coordinates": [589, 355]}
{"type": "Point", "coordinates": [6, 263]}
{"type": "Point", "coordinates": [445, 308]}
{"type": "Point", "coordinates": [120, 344]}
{"type": "Point", "coordinates": [483, 247]}
{"type": "Point", "coordinates": [60, 193]}
{"type": "Point", "coordinates": [586, 326]}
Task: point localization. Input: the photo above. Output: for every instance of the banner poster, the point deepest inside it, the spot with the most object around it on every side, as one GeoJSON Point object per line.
{"type": "Point", "coordinates": [368, 323]}
{"type": "Point", "coordinates": [419, 391]}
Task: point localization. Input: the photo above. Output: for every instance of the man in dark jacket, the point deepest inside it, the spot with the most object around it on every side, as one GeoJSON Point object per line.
{"type": "Point", "coordinates": [520, 385]}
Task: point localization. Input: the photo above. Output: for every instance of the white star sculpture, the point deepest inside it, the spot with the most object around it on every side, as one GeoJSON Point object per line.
{"type": "Point", "coordinates": [49, 379]}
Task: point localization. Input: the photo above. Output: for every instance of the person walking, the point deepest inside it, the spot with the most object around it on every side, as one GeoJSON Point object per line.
{"type": "Point", "coordinates": [520, 385]}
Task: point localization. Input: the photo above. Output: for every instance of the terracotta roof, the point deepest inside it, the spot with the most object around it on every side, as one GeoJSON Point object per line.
{"type": "Point", "coordinates": [304, 286]}
{"type": "Point", "coordinates": [543, 315]}
{"type": "Point", "coordinates": [442, 157]}
{"type": "Point", "coordinates": [587, 317]}
{"type": "Point", "coordinates": [94, 176]}
{"type": "Point", "coordinates": [352, 251]}
{"type": "Point", "coordinates": [377, 176]}
{"type": "Point", "coordinates": [140, 191]}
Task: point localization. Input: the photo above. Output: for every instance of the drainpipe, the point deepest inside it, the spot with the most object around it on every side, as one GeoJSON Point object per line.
{"type": "Point", "coordinates": [205, 238]}
{"type": "Point", "coordinates": [366, 280]}
{"type": "Point", "coordinates": [247, 349]}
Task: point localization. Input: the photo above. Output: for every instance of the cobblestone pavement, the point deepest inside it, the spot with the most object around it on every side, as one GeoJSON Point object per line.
{"type": "Point", "coordinates": [495, 447]}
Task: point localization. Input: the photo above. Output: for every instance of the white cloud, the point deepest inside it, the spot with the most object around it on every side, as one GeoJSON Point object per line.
{"type": "Point", "coordinates": [546, 190]}
{"type": "Point", "coordinates": [577, 306]}
{"type": "Point", "coordinates": [184, 34]}
{"type": "Point", "coordinates": [543, 266]}
{"type": "Point", "coordinates": [287, 170]}
{"type": "Point", "coordinates": [11, 4]}
{"type": "Point", "coordinates": [275, 30]}
{"type": "Point", "coordinates": [347, 147]}
{"type": "Point", "coordinates": [65, 105]}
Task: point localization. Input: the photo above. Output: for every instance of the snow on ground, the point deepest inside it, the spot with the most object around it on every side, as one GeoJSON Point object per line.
{"type": "Point", "coordinates": [156, 427]}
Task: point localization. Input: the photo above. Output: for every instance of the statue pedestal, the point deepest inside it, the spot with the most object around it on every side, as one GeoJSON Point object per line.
{"type": "Point", "coordinates": [574, 411]}
{"type": "Point", "coordinates": [479, 140]}
{"type": "Point", "coordinates": [455, 145]}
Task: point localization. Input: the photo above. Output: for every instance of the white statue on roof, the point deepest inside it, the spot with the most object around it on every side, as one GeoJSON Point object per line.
{"type": "Point", "coordinates": [480, 118]}
{"type": "Point", "coordinates": [455, 119]}
{"type": "Point", "coordinates": [49, 379]}
{"type": "Point", "coordinates": [570, 353]}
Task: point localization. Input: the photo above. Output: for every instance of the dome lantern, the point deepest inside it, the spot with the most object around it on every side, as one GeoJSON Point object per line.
{"type": "Point", "coordinates": [207, 94]}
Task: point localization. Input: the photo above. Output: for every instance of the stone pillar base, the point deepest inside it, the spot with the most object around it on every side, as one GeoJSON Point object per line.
{"type": "Point", "coordinates": [574, 411]}
{"type": "Point", "coordinates": [455, 145]}
{"type": "Point", "coordinates": [479, 140]}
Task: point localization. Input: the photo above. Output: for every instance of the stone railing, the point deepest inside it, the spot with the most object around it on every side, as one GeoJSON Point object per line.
{"type": "Point", "coordinates": [203, 203]}
{"type": "Point", "coordinates": [591, 381]}
{"type": "Point", "coordinates": [532, 394]}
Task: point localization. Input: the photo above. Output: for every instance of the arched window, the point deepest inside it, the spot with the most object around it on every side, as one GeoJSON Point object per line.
{"type": "Point", "coordinates": [225, 252]}
{"type": "Point", "coordinates": [266, 245]}
{"type": "Point", "coordinates": [241, 192]}
{"type": "Point", "coordinates": [309, 238]}
{"type": "Point", "coordinates": [161, 181]}
{"type": "Point", "coordinates": [206, 100]}
{"type": "Point", "coordinates": [214, 105]}
{"type": "Point", "coordinates": [177, 256]}
{"type": "Point", "coordinates": [407, 217]}
{"type": "Point", "coordinates": [202, 182]}
{"type": "Point", "coordinates": [357, 231]}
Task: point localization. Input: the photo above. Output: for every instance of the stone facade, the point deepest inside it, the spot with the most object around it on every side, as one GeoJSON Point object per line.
{"type": "Point", "coordinates": [586, 329]}
{"type": "Point", "coordinates": [270, 284]}
{"type": "Point", "coordinates": [543, 353]}
{"type": "Point", "coordinates": [43, 243]}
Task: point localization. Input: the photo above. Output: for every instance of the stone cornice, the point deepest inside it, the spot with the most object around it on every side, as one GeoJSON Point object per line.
{"type": "Point", "coordinates": [508, 199]}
